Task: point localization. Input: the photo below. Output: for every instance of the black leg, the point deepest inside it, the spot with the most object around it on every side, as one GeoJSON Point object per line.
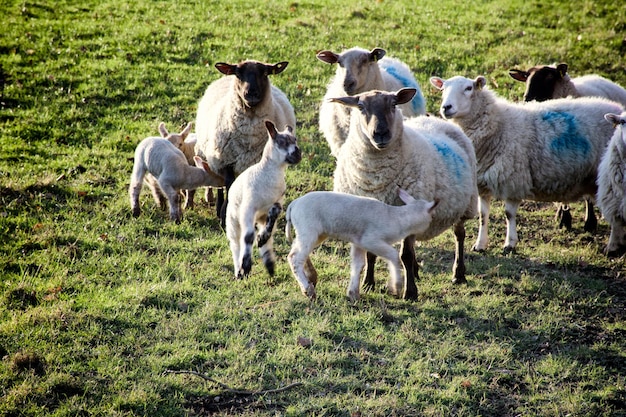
{"type": "Point", "coordinates": [411, 268]}
{"type": "Point", "coordinates": [368, 283]}
{"type": "Point", "coordinates": [458, 270]}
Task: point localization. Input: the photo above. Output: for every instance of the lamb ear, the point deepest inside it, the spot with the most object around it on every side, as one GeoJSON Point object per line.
{"type": "Point", "coordinates": [405, 196]}
{"type": "Point", "coordinates": [433, 204]}
{"type": "Point", "coordinates": [351, 101]}
{"type": "Point", "coordinates": [226, 69]}
{"type": "Point", "coordinates": [328, 57]}
{"type": "Point", "coordinates": [480, 82]}
{"type": "Point", "coordinates": [271, 129]}
{"type": "Point", "coordinates": [162, 130]}
{"type": "Point", "coordinates": [377, 54]}
{"type": "Point", "coordinates": [186, 130]}
{"type": "Point", "coordinates": [277, 68]}
{"type": "Point", "coordinates": [613, 118]}
{"type": "Point", "coordinates": [200, 162]}
{"type": "Point", "coordinates": [562, 69]}
{"type": "Point", "coordinates": [519, 75]}
{"type": "Point", "coordinates": [437, 82]}
{"type": "Point", "coordinates": [289, 129]}
{"type": "Point", "coordinates": [405, 95]}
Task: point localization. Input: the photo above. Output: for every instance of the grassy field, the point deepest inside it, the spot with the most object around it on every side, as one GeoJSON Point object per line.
{"type": "Point", "coordinates": [102, 314]}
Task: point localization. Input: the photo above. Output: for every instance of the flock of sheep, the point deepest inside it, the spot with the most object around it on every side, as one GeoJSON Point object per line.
{"type": "Point", "coordinates": [401, 175]}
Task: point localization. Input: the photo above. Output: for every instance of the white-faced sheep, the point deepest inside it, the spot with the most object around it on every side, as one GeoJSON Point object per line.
{"type": "Point", "coordinates": [256, 198]}
{"type": "Point", "coordinates": [230, 120]}
{"type": "Point", "coordinates": [546, 151]}
{"type": "Point", "coordinates": [160, 160]}
{"type": "Point", "coordinates": [358, 71]}
{"type": "Point", "coordinates": [611, 196]}
{"type": "Point", "coordinates": [430, 158]}
{"type": "Point", "coordinates": [368, 224]}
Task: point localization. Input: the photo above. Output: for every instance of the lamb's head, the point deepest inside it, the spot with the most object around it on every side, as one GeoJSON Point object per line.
{"type": "Point", "coordinates": [176, 139]}
{"type": "Point", "coordinates": [354, 67]}
{"type": "Point", "coordinates": [458, 94]}
{"type": "Point", "coordinates": [376, 116]}
{"type": "Point", "coordinates": [541, 81]}
{"type": "Point", "coordinates": [619, 122]}
{"type": "Point", "coordinates": [253, 83]}
{"type": "Point", "coordinates": [421, 211]}
{"type": "Point", "coordinates": [282, 145]}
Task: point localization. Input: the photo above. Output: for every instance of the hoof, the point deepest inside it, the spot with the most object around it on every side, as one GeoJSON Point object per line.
{"type": "Point", "coordinates": [476, 249]}
{"type": "Point", "coordinates": [507, 250]}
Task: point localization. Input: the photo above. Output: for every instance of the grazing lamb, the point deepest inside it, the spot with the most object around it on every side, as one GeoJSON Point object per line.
{"type": "Point", "coordinates": [430, 158]}
{"type": "Point", "coordinates": [358, 71]}
{"type": "Point", "coordinates": [170, 172]}
{"type": "Point", "coordinates": [612, 186]}
{"type": "Point", "coordinates": [256, 199]}
{"type": "Point", "coordinates": [368, 224]}
{"type": "Point", "coordinates": [230, 120]}
{"type": "Point", "coordinates": [546, 151]}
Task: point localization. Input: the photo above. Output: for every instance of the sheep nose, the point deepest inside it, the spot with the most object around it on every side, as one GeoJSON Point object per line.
{"type": "Point", "coordinates": [349, 86]}
{"type": "Point", "coordinates": [446, 107]}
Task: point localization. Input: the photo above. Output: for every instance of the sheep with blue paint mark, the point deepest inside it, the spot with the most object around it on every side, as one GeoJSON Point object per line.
{"type": "Point", "coordinates": [430, 158]}
{"type": "Point", "coordinates": [358, 71]}
{"type": "Point", "coordinates": [540, 151]}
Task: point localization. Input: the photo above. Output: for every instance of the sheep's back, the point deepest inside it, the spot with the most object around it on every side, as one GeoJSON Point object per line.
{"type": "Point", "coordinates": [596, 86]}
{"type": "Point", "coordinates": [396, 75]}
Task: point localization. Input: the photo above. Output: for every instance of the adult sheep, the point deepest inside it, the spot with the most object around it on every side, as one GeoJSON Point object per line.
{"type": "Point", "coordinates": [230, 124]}
{"type": "Point", "coordinates": [612, 186]}
{"type": "Point", "coordinates": [428, 157]}
{"type": "Point", "coordinates": [541, 151]}
{"type": "Point", "coordinates": [358, 71]}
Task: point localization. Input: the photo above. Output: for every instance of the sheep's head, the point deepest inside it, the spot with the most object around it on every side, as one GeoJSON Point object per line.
{"type": "Point", "coordinates": [541, 81]}
{"type": "Point", "coordinates": [177, 139]}
{"type": "Point", "coordinates": [284, 145]}
{"type": "Point", "coordinates": [619, 122]}
{"type": "Point", "coordinates": [376, 114]}
{"type": "Point", "coordinates": [354, 65]}
{"type": "Point", "coordinates": [458, 93]}
{"type": "Point", "coordinates": [253, 84]}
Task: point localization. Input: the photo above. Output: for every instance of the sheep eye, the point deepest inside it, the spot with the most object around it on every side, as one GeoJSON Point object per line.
{"type": "Point", "coordinates": [468, 88]}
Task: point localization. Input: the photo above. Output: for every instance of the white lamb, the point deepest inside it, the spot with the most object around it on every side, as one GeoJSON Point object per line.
{"type": "Point", "coordinates": [256, 199]}
{"type": "Point", "coordinates": [546, 151]}
{"type": "Point", "coordinates": [612, 186]}
{"type": "Point", "coordinates": [368, 224]}
{"type": "Point", "coordinates": [430, 158]}
{"type": "Point", "coordinates": [230, 120]}
{"type": "Point", "coordinates": [358, 71]}
{"type": "Point", "coordinates": [158, 159]}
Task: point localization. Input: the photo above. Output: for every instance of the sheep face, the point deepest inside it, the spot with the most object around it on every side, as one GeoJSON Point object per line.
{"type": "Point", "coordinates": [354, 66]}
{"type": "Point", "coordinates": [285, 144]}
{"type": "Point", "coordinates": [176, 139]}
{"type": "Point", "coordinates": [458, 94]}
{"type": "Point", "coordinates": [253, 84]}
{"type": "Point", "coordinates": [378, 118]}
{"type": "Point", "coordinates": [541, 81]}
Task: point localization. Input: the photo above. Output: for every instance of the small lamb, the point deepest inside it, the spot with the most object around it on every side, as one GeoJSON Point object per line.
{"type": "Point", "coordinates": [368, 224]}
{"type": "Point", "coordinates": [167, 172]}
{"type": "Point", "coordinates": [611, 195]}
{"type": "Point", "coordinates": [255, 200]}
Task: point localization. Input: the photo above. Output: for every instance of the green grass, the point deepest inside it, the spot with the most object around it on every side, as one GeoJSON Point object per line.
{"type": "Point", "coordinates": [95, 305]}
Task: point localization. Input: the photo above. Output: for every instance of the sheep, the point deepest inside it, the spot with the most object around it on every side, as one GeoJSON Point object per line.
{"type": "Point", "coordinates": [430, 158]}
{"type": "Point", "coordinates": [541, 151]}
{"type": "Point", "coordinates": [611, 195]}
{"type": "Point", "coordinates": [368, 224]}
{"type": "Point", "coordinates": [358, 71]}
{"type": "Point", "coordinates": [256, 199]}
{"type": "Point", "coordinates": [166, 171]}
{"type": "Point", "coordinates": [549, 82]}
{"type": "Point", "coordinates": [230, 119]}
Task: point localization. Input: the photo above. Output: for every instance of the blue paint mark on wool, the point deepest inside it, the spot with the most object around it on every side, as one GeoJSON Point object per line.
{"type": "Point", "coordinates": [569, 140]}
{"type": "Point", "coordinates": [418, 100]}
{"type": "Point", "coordinates": [453, 160]}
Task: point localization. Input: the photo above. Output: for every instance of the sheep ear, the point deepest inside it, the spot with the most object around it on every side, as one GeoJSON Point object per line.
{"type": "Point", "coordinates": [289, 129]}
{"type": "Point", "coordinates": [480, 82]}
{"type": "Point", "coordinates": [328, 57]}
{"type": "Point", "coordinates": [519, 75]}
{"type": "Point", "coordinates": [162, 130]}
{"type": "Point", "coordinates": [437, 82]}
{"type": "Point", "coordinates": [226, 69]}
{"type": "Point", "coordinates": [562, 69]}
{"type": "Point", "coordinates": [613, 118]}
{"type": "Point", "coordinates": [433, 204]}
{"type": "Point", "coordinates": [351, 101]}
{"type": "Point", "coordinates": [186, 130]}
{"type": "Point", "coordinates": [271, 129]}
{"type": "Point", "coordinates": [405, 95]}
{"type": "Point", "coordinates": [277, 68]}
{"type": "Point", "coordinates": [405, 196]}
{"type": "Point", "coordinates": [200, 162]}
{"type": "Point", "coordinates": [377, 53]}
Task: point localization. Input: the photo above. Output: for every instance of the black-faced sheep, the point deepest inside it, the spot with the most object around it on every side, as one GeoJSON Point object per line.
{"type": "Point", "coordinates": [430, 158]}
{"type": "Point", "coordinates": [546, 151]}
{"type": "Point", "coordinates": [230, 120]}
{"type": "Point", "coordinates": [358, 71]}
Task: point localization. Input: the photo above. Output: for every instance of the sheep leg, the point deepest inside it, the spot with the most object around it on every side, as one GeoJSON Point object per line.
{"type": "Point", "coordinates": [189, 195]}
{"type": "Point", "coordinates": [222, 198]}
{"type": "Point", "coordinates": [357, 255]}
{"type": "Point", "coordinates": [173, 198]}
{"type": "Point", "coordinates": [510, 210]}
{"type": "Point", "coordinates": [299, 262]}
{"type": "Point", "coordinates": [617, 239]}
{"type": "Point", "coordinates": [591, 222]}
{"type": "Point", "coordinates": [484, 204]}
{"type": "Point", "coordinates": [233, 232]}
{"type": "Point", "coordinates": [310, 272]}
{"type": "Point", "coordinates": [410, 268]}
{"type": "Point", "coordinates": [458, 270]}
{"type": "Point", "coordinates": [390, 254]}
{"type": "Point", "coordinates": [272, 216]}
{"type": "Point", "coordinates": [246, 255]}
{"type": "Point", "coordinates": [368, 282]}
{"type": "Point", "coordinates": [134, 190]}
{"type": "Point", "coordinates": [564, 216]}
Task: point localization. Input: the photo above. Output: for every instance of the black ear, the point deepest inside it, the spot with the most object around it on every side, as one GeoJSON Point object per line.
{"type": "Point", "coordinates": [405, 95]}
{"type": "Point", "coordinates": [328, 57]}
{"type": "Point", "coordinates": [277, 68]}
{"type": "Point", "coordinates": [271, 129]}
{"type": "Point", "coordinates": [377, 54]}
{"type": "Point", "coordinates": [562, 69]}
{"type": "Point", "coordinates": [351, 101]}
{"type": "Point", "coordinates": [226, 69]}
{"type": "Point", "coordinates": [519, 75]}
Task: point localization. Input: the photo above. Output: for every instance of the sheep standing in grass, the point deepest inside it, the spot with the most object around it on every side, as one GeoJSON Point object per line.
{"type": "Point", "coordinates": [546, 151]}
{"type": "Point", "coordinates": [256, 199]}
{"type": "Point", "coordinates": [369, 224]}
{"type": "Point", "coordinates": [612, 186]}
{"type": "Point", "coordinates": [230, 120]}
{"type": "Point", "coordinates": [430, 158]}
{"type": "Point", "coordinates": [358, 71]}
{"type": "Point", "coordinates": [158, 159]}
